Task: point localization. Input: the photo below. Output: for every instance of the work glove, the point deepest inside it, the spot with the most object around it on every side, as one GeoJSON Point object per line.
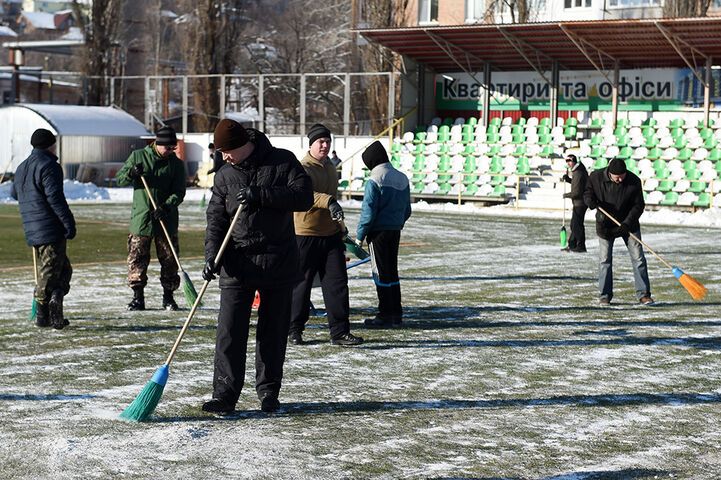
{"type": "Point", "coordinates": [136, 172]}
{"type": "Point", "coordinates": [591, 203]}
{"type": "Point", "coordinates": [210, 270]}
{"type": "Point", "coordinates": [622, 231]}
{"type": "Point", "coordinates": [160, 213]}
{"type": "Point", "coordinates": [70, 234]}
{"type": "Point", "coordinates": [336, 211]}
{"type": "Point", "coordinates": [566, 178]}
{"type": "Point", "coordinates": [249, 196]}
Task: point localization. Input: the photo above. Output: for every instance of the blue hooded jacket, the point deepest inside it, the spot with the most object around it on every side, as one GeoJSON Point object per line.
{"type": "Point", "coordinates": [38, 188]}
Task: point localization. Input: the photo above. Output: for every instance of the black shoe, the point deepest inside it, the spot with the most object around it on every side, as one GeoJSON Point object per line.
{"type": "Point", "coordinates": [347, 340]}
{"type": "Point", "coordinates": [377, 322]}
{"type": "Point", "coordinates": [578, 250]}
{"type": "Point", "coordinates": [296, 339]}
{"type": "Point", "coordinates": [604, 301]}
{"type": "Point", "coordinates": [218, 406]}
{"type": "Point", "coordinates": [55, 309]}
{"type": "Point", "coordinates": [138, 301]}
{"type": "Point", "coordinates": [566, 249]}
{"type": "Point", "coordinates": [169, 301]}
{"type": "Point", "coordinates": [269, 403]}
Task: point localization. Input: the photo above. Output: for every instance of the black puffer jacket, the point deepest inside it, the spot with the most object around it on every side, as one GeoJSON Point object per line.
{"type": "Point", "coordinates": [578, 185]}
{"type": "Point", "coordinates": [262, 251]}
{"type": "Point", "coordinates": [622, 200]}
{"type": "Point", "coordinates": [38, 188]}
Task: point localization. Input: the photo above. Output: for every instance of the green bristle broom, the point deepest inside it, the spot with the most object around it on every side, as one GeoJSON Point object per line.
{"type": "Point", "coordinates": [144, 404]}
{"type": "Point", "coordinates": [34, 308]}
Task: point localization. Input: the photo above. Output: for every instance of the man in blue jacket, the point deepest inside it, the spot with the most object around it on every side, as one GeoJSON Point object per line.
{"type": "Point", "coordinates": [48, 224]}
{"type": "Point", "coordinates": [386, 207]}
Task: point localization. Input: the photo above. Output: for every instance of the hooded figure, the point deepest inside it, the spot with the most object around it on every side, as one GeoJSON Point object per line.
{"type": "Point", "coordinates": [386, 207]}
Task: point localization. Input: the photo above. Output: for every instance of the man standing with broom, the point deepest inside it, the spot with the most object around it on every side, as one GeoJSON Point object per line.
{"type": "Point", "coordinates": [164, 173]}
{"type": "Point", "coordinates": [577, 178]}
{"type": "Point", "coordinates": [618, 192]}
{"type": "Point", "coordinates": [48, 224]}
{"type": "Point", "coordinates": [268, 184]}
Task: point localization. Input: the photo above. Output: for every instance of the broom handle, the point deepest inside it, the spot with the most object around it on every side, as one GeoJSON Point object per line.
{"type": "Point", "coordinates": [226, 240]}
{"type": "Point", "coordinates": [35, 266]}
{"type": "Point", "coordinates": [637, 239]}
{"type": "Point", "coordinates": [564, 200]}
{"type": "Point", "coordinates": [162, 224]}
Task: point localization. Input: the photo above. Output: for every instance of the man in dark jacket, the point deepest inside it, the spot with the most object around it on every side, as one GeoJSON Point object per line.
{"type": "Point", "coordinates": [269, 184]}
{"type": "Point", "coordinates": [577, 178]}
{"type": "Point", "coordinates": [619, 193]}
{"type": "Point", "coordinates": [386, 207]}
{"type": "Point", "coordinates": [165, 174]}
{"type": "Point", "coordinates": [48, 224]}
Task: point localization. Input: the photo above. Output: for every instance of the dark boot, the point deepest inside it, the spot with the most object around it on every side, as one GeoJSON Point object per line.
{"type": "Point", "coordinates": [169, 301]}
{"type": "Point", "coordinates": [138, 301]}
{"type": "Point", "coordinates": [55, 308]}
{"type": "Point", "coordinates": [42, 319]}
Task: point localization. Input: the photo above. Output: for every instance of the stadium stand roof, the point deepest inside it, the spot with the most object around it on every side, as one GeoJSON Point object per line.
{"type": "Point", "coordinates": [576, 45]}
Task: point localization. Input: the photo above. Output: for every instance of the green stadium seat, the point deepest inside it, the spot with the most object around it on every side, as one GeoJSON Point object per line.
{"type": "Point", "coordinates": [697, 186]}
{"type": "Point", "coordinates": [468, 150]}
{"type": "Point", "coordinates": [620, 131]}
{"type": "Point", "coordinates": [597, 151]}
{"type": "Point", "coordinates": [690, 166]}
{"type": "Point", "coordinates": [705, 133]}
{"type": "Point", "coordinates": [471, 189]}
{"type": "Point", "coordinates": [546, 151]}
{"type": "Point", "coordinates": [544, 139]}
{"type": "Point", "coordinates": [472, 121]}
{"type": "Point", "coordinates": [499, 191]}
{"type": "Point", "coordinates": [498, 180]}
{"type": "Point", "coordinates": [601, 162]}
{"type": "Point", "coordinates": [714, 155]}
{"type": "Point", "coordinates": [684, 154]}
{"type": "Point", "coordinates": [518, 139]}
{"type": "Point", "coordinates": [596, 123]}
{"type": "Point", "coordinates": [570, 133]}
{"type": "Point", "coordinates": [704, 200]}
{"type": "Point", "coordinates": [571, 122]}
{"type": "Point", "coordinates": [670, 199]}
{"type": "Point", "coordinates": [444, 133]}
{"type": "Point", "coordinates": [444, 163]}
{"type": "Point", "coordinates": [680, 143]}
{"type": "Point", "coordinates": [495, 121]}
{"type": "Point", "coordinates": [622, 122]}
{"type": "Point", "coordinates": [493, 138]}
{"type": "Point", "coordinates": [420, 137]}
{"type": "Point", "coordinates": [596, 139]}
{"type": "Point", "coordinates": [523, 167]}
{"type": "Point", "coordinates": [676, 133]}
{"type": "Point", "coordinates": [677, 123]}
{"type": "Point", "coordinates": [470, 178]}
{"type": "Point", "coordinates": [443, 188]}
{"type": "Point", "coordinates": [443, 149]}
{"type": "Point", "coordinates": [631, 164]}
{"type": "Point", "coordinates": [420, 148]}
{"type": "Point", "coordinates": [543, 130]}
{"type": "Point", "coordinates": [710, 143]}
{"type": "Point", "coordinates": [418, 187]}
{"type": "Point", "coordinates": [650, 122]}
{"type": "Point", "coordinates": [519, 151]}
{"type": "Point", "coordinates": [654, 153]}
{"type": "Point", "coordinates": [420, 162]}
{"type": "Point", "coordinates": [546, 122]}
{"type": "Point", "coordinates": [625, 153]}
{"type": "Point", "coordinates": [496, 165]}
{"type": "Point", "coordinates": [621, 140]}
{"type": "Point", "coordinates": [651, 142]}
{"type": "Point", "coordinates": [648, 132]}
{"type": "Point", "coordinates": [666, 185]}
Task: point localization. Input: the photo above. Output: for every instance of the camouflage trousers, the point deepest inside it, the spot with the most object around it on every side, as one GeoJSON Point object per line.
{"type": "Point", "coordinates": [53, 269]}
{"type": "Point", "coordinates": [139, 259]}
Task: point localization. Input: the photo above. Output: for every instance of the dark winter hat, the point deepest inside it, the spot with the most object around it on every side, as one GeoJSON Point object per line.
{"type": "Point", "coordinates": [374, 155]}
{"type": "Point", "coordinates": [211, 145]}
{"type": "Point", "coordinates": [229, 135]}
{"type": "Point", "coordinates": [317, 131]}
{"type": "Point", "coordinates": [571, 158]}
{"type": "Point", "coordinates": [42, 139]}
{"type": "Point", "coordinates": [166, 136]}
{"type": "Point", "coordinates": [617, 166]}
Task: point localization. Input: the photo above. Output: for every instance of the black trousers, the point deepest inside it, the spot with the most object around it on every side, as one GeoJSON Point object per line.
{"type": "Point", "coordinates": [326, 257]}
{"type": "Point", "coordinates": [231, 341]}
{"type": "Point", "coordinates": [577, 239]}
{"type": "Point", "coordinates": [384, 260]}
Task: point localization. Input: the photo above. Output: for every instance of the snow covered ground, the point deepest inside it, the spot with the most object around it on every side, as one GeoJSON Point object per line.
{"type": "Point", "coordinates": [506, 368]}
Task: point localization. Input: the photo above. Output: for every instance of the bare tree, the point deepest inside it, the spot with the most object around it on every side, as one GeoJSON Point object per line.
{"type": "Point", "coordinates": [686, 8]}
{"type": "Point", "coordinates": [101, 39]}
{"type": "Point", "coordinates": [376, 58]}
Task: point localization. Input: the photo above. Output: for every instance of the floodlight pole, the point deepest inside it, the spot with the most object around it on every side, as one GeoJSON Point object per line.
{"type": "Point", "coordinates": [554, 92]}
{"type": "Point", "coordinates": [486, 94]}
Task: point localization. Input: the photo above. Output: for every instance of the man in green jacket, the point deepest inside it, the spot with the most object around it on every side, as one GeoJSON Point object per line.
{"type": "Point", "coordinates": [165, 174]}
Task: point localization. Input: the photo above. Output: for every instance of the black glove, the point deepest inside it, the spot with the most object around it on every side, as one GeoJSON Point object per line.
{"type": "Point", "coordinates": [622, 231]}
{"type": "Point", "coordinates": [566, 178]}
{"type": "Point", "coordinates": [249, 196]}
{"type": "Point", "coordinates": [210, 270]}
{"type": "Point", "coordinates": [136, 172]}
{"type": "Point", "coordinates": [70, 234]}
{"type": "Point", "coordinates": [160, 213]}
{"type": "Point", "coordinates": [336, 211]}
{"type": "Point", "coordinates": [590, 203]}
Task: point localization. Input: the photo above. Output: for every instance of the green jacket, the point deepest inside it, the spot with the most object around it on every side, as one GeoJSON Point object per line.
{"type": "Point", "coordinates": [166, 180]}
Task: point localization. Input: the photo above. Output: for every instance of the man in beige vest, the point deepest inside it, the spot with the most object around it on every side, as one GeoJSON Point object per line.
{"type": "Point", "coordinates": [319, 233]}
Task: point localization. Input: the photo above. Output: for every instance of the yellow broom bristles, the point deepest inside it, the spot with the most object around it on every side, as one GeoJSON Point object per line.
{"type": "Point", "coordinates": [693, 286]}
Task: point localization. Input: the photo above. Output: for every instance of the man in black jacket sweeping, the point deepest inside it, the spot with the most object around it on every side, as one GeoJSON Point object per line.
{"type": "Point", "coordinates": [577, 178]}
{"type": "Point", "coordinates": [619, 193]}
{"type": "Point", "coordinates": [269, 184]}
{"type": "Point", "coordinates": [48, 224]}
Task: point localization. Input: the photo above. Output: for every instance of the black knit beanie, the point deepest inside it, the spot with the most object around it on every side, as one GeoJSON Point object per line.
{"type": "Point", "coordinates": [42, 139]}
{"type": "Point", "coordinates": [617, 166]}
{"type": "Point", "coordinates": [166, 136]}
{"type": "Point", "coordinates": [317, 131]}
{"type": "Point", "coordinates": [374, 155]}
